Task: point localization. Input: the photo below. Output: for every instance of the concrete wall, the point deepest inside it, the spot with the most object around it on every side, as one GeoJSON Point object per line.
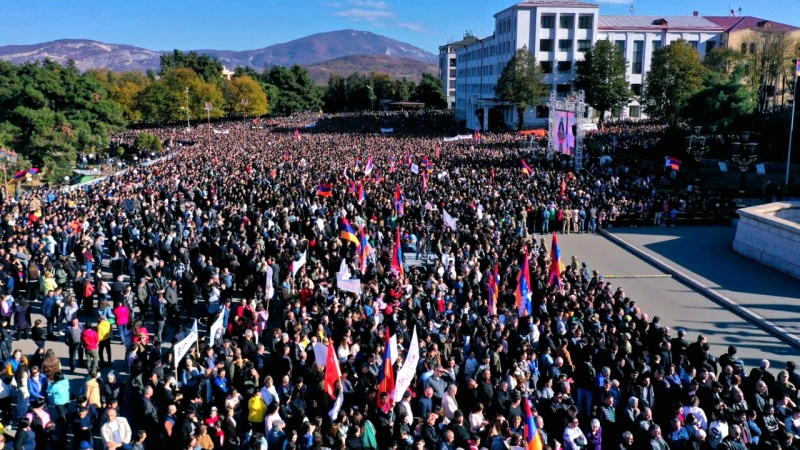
{"type": "Point", "coordinates": [765, 234]}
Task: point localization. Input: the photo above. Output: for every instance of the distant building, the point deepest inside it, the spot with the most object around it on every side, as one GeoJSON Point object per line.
{"type": "Point", "coordinates": [227, 74]}
{"type": "Point", "coordinates": [447, 66]}
{"type": "Point", "coordinates": [558, 33]}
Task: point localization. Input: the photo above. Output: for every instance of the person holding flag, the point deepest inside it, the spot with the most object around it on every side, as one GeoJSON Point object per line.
{"type": "Point", "coordinates": [523, 293]}
{"type": "Point", "coordinates": [494, 281]}
{"type": "Point", "coordinates": [532, 437]}
{"type": "Point", "coordinates": [556, 266]}
{"type": "Point", "coordinates": [347, 233]}
{"type": "Point", "coordinates": [398, 200]}
{"type": "Point", "coordinates": [364, 250]}
{"type": "Point", "coordinates": [526, 169]}
{"type": "Point", "coordinates": [361, 197]}
{"type": "Point", "coordinates": [397, 257]}
{"type": "Point", "coordinates": [386, 372]}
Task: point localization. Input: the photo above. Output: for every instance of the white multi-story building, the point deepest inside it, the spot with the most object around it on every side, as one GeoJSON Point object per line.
{"type": "Point", "coordinates": [559, 32]}
{"type": "Point", "coordinates": [447, 66]}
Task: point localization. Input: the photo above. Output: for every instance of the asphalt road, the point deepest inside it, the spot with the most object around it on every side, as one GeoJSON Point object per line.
{"type": "Point", "coordinates": [657, 293]}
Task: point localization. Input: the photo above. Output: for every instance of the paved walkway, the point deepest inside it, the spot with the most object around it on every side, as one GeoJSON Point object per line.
{"type": "Point", "coordinates": [678, 305]}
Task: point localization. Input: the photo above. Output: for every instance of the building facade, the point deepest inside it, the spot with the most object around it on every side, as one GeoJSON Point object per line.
{"type": "Point", "coordinates": [558, 33]}
{"type": "Point", "coordinates": [447, 67]}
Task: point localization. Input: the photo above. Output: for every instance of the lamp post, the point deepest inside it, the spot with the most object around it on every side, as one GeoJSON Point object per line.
{"type": "Point", "coordinates": [791, 126]}
{"type": "Point", "coordinates": [696, 145]}
{"type": "Point", "coordinates": [743, 156]}
{"type": "Point", "coordinates": [188, 125]}
{"type": "Point", "coordinates": [371, 96]}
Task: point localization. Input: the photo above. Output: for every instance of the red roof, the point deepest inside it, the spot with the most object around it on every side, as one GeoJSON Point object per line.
{"type": "Point", "coordinates": [656, 23]}
{"type": "Point", "coordinates": [731, 23]}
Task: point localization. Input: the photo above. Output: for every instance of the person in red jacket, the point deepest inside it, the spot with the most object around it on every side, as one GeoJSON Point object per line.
{"type": "Point", "coordinates": [91, 344]}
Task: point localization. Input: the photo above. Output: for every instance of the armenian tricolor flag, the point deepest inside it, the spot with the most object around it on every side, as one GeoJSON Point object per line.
{"type": "Point", "coordinates": [398, 200]}
{"type": "Point", "coordinates": [526, 169]}
{"type": "Point", "coordinates": [347, 233]}
{"type": "Point", "coordinates": [556, 267]}
{"type": "Point", "coordinates": [424, 182]}
{"type": "Point", "coordinates": [397, 257]}
{"type": "Point", "coordinates": [533, 440]}
{"type": "Point", "coordinates": [523, 292]}
{"type": "Point", "coordinates": [297, 134]}
{"type": "Point", "coordinates": [324, 189]}
{"type": "Point", "coordinates": [494, 281]}
{"type": "Point", "coordinates": [427, 164]}
{"type": "Point", "coordinates": [407, 158]}
{"type": "Point", "coordinates": [386, 373]}
{"type": "Point", "coordinates": [368, 168]}
{"type": "Point", "coordinates": [351, 187]}
{"type": "Point", "coordinates": [364, 250]}
{"type": "Point", "coordinates": [674, 163]}
{"type": "Point", "coordinates": [361, 197]}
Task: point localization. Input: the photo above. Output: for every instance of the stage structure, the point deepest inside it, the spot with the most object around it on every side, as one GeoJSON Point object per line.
{"type": "Point", "coordinates": [565, 126]}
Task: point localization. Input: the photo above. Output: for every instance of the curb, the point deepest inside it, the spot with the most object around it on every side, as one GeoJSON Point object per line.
{"type": "Point", "coordinates": [745, 313]}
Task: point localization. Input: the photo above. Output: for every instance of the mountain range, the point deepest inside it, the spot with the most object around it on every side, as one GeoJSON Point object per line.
{"type": "Point", "coordinates": [336, 52]}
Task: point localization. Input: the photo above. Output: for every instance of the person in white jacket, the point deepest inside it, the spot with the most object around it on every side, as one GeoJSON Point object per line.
{"type": "Point", "coordinates": [116, 432]}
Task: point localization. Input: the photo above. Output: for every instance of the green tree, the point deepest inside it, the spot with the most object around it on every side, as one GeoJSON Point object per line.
{"type": "Point", "coordinates": [50, 112]}
{"type": "Point", "coordinates": [208, 68]}
{"type": "Point", "coordinates": [521, 84]}
{"type": "Point", "coordinates": [334, 98]}
{"type": "Point", "coordinates": [148, 142]}
{"type": "Point", "coordinates": [675, 75]}
{"type": "Point", "coordinates": [723, 60]}
{"type": "Point", "coordinates": [601, 75]}
{"type": "Point", "coordinates": [297, 92]}
{"type": "Point", "coordinates": [430, 91]}
{"type": "Point", "coordinates": [723, 101]}
{"type": "Point", "coordinates": [248, 89]}
{"type": "Point", "coordinates": [404, 88]}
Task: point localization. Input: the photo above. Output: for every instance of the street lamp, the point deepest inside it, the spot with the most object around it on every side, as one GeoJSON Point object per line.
{"type": "Point", "coordinates": [743, 156]}
{"type": "Point", "coordinates": [188, 125]}
{"type": "Point", "coordinates": [696, 146]}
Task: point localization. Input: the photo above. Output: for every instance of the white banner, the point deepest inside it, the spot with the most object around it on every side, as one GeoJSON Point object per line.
{"type": "Point", "coordinates": [353, 285]}
{"type": "Point", "coordinates": [449, 220]}
{"type": "Point", "coordinates": [311, 125]}
{"type": "Point", "coordinates": [296, 265]}
{"type": "Point", "coordinates": [181, 348]}
{"type": "Point", "coordinates": [387, 130]}
{"type": "Point", "coordinates": [216, 327]}
{"type": "Point", "coordinates": [320, 353]}
{"type": "Point", "coordinates": [588, 126]}
{"type": "Point", "coordinates": [414, 168]}
{"type": "Point", "coordinates": [458, 137]}
{"type": "Point", "coordinates": [409, 370]}
{"type": "Point", "coordinates": [220, 131]}
{"type": "Point", "coordinates": [393, 348]}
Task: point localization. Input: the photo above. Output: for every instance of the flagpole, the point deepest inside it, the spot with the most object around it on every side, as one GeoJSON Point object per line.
{"type": "Point", "coordinates": [791, 129]}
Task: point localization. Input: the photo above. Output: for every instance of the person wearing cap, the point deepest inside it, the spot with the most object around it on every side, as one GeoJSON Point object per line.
{"type": "Point", "coordinates": [116, 432]}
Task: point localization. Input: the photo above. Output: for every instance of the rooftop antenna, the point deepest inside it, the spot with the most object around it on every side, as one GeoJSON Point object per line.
{"type": "Point", "coordinates": [740, 11]}
{"type": "Point", "coordinates": [631, 10]}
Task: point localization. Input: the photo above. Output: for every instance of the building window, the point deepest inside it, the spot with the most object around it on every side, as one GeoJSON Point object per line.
{"type": "Point", "coordinates": [638, 57]}
{"type": "Point", "coordinates": [621, 44]}
{"type": "Point", "coordinates": [452, 73]}
{"type": "Point", "coordinates": [452, 61]}
{"type": "Point", "coordinates": [656, 45]}
{"type": "Point", "coordinates": [584, 45]}
{"type": "Point", "coordinates": [585, 22]}
{"type": "Point", "coordinates": [563, 89]}
{"type": "Point", "coordinates": [636, 89]}
{"type": "Point", "coordinates": [744, 48]}
{"type": "Point", "coordinates": [547, 66]}
{"type": "Point", "coordinates": [564, 45]}
{"type": "Point", "coordinates": [694, 44]}
{"type": "Point", "coordinates": [566, 22]}
{"type": "Point", "coordinates": [547, 21]}
{"type": "Point", "coordinates": [634, 111]}
{"type": "Point", "coordinates": [710, 46]}
{"type": "Point", "coordinates": [545, 45]}
{"type": "Point", "coordinates": [752, 48]}
{"type": "Point", "coordinates": [564, 66]}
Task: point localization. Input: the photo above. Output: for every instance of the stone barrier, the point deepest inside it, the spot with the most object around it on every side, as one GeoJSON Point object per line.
{"type": "Point", "coordinates": [770, 234]}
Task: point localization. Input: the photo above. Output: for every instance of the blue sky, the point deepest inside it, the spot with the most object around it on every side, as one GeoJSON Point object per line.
{"type": "Point", "coordinates": [251, 24]}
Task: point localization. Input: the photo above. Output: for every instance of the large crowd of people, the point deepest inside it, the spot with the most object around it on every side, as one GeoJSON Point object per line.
{"type": "Point", "coordinates": [244, 225]}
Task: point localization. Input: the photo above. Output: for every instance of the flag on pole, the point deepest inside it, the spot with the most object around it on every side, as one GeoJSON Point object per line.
{"type": "Point", "coordinates": [674, 163]}
{"type": "Point", "coordinates": [361, 197]}
{"type": "Point", "coordinates": [414, 168]}
{"type": "Point", "coordinates": [398, 200]}
{"type": "Point", "coordinates": [351, 187]}
{"type": "Point", "coordinates": [386, 372]}
{"type": "Point", "coordinates": [424, 182]}
{"type": "Point", "coordinates": [409, 370]}
{"type": "Point", "coordinates": [494, 281]}
{"type": "Point", "coordinates": [426, 164]}
{"type": "Point", "coordinates": [533, 441]}
{"type": "Point", "coordinates": [364, 250]}
{"type": "Point", "coordinates": [208, 106]}
{"type": "Point", "coordinates": [523, 292]}
{"type": "Point", "coordinates": [397, 257]}
{"type": "Point", "coordinates": [526, 169]}
{"type": "Point", "coordinates": [407, 158]}
{"type": "Point", "coordinates": [337, 406]}
{"type": "Point", "coordinates": [556, 267]}
{"type": "Point", "coordinates": [332, 371]}
{"type": "Point", "coordinates": [296, 265]}
{"type": "Point", "coordinates": [448, 220]}
{"type": "Point", "coordinates": [368, 168]}
{"type": "Point", "coordinates": [297, 134]}
{"type": "Point", "coordinates": [286, 155]}
{"type": "Point", "coordinates": [347, 233]}
{"type": "Point", "coordinates": [491, 179]}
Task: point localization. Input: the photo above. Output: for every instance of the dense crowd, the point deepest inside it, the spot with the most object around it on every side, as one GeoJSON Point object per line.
{"type": "Point", "coordinates": [220, 228]}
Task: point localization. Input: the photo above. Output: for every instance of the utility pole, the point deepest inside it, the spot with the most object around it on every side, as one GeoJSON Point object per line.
{"type": "Point", "coordinates": [188, 125]}
{"type": "Point", "coordinates": [791, 126]}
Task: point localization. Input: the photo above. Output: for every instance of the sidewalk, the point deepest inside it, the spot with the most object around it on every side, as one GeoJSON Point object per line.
{"type": "Point", "coordinates": [702, 258]}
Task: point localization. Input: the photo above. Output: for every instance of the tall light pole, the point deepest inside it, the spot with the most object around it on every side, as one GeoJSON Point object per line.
{"type": "Point", "coordinates": [791, 126]}
{"type": "Point", "coordinates": [187, 108]}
